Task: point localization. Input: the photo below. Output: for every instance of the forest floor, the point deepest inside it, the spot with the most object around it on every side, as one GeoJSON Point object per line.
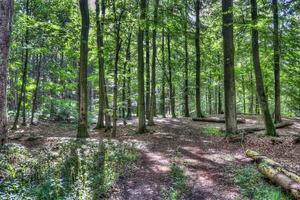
{"type": "Point", "coordinates": [199, 148]}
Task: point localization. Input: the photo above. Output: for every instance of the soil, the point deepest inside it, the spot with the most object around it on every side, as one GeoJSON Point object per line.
{"type": "Point", "coordinates": [208, 161]}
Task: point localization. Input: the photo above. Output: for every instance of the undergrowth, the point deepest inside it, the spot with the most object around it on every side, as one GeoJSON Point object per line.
{"type": "Point", "coordinates": [254, 187]}
{"type": "Point", "coordinates": [211, 131]}
{"type": "Point", "coordinates": [75, 170]}
{"type": "Point", "coordinates": [178, 184]}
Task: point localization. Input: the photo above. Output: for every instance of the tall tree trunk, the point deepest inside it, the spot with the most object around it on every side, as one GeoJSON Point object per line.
{"type": "Point", "coordinates": [153, 69]}
{"type": "Point", "coordinates": [186, 66]}
{"type": "Point", "coordinates": [276, 63]}
{"type": "Point", "coordinates": [36, 91]}
{"type": "Point", "coordinates": [198, 62]}
{"type": "Point", "coordinates": [220, 109]}
{"type": "Point", "coordinates": [141, 89]}
{"type": "Point", "coordinates": [163, 78]}
{"type": "Point", "coordinates": [24, 78]}
{"type": "Point", "coordinates": [83, 96]}
{"type": "Point", "coordinates": [251, 107]}
{"type": "Point", "coordinates": [270, 129]}
{"type": "Point", "coordinates": [125, 81]}
{"type": "Point", "coordinates": [99, 25]}
{"type": "Point", "coordinates": [229, 79]}
{"type": "Point", "coordinates": [128, 58]}
{"type": "Point", "coordinates": [147, 47]}
{"type": "Point", "coordinates": [5, 29]}
{"type": "Point", "coordinates": [116, 68]}
{"type": "Point", "coordinates": [171, 89]}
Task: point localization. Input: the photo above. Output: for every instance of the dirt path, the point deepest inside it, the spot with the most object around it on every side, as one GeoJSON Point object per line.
{"type": "Point", "coordinates": [206, 161]}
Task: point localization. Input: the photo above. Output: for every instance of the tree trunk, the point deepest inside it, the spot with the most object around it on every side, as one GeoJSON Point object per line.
{"type": "Point", "coordinates": [141, 89]}
{"type": "Point", "coordinates": [276, 63]}
{"type": "Point", "coordinates": [290, 181]}
{"type": "Point", "coordinates": [36, 91]}
{"type": "Point", "coordinates": [5, 29]}
{"type": "Point", "coordinates": [163, 78]}
{"type": "Point", "coordinates": [229, 79]}
{"type": "Point", "coordinates": [153, 70]}
{"type": "Point", "coordinates": [128, 58]}
{"type": "Point", "coordinates": [83, 96]}
{"type": "Point", "coordinates": [99, 25]}
{"type": "Point", "coordinates": [171, 89]}
{"type": "Point", "coordinates": [270, 129]}
{"type": "Point", "coordinates": [198, 61]}
{"type": "Point", "coordinates": [125, 82]}
{"type": "Point", "coordinates": [147, 47]}
{"type": "Point", "coordinates": [186, 66]}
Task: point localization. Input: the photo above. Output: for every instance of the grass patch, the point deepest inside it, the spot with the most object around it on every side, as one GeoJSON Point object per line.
{"type": "Point", "coordinates": [253, 186]}
{"type": "Point", "coordinates": [75, 170]}
{"type": "Point", "coordinates": [211, 131]}
{"type": "Point", "coordinates": [178, 184]}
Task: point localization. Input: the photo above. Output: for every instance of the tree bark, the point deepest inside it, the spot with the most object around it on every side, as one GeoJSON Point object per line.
{"type": "Point", "coordinates": [147, 47]}
{"type": "Point", "coordinates": [163, 78]}
{"type": "Point", "coordinates": [153, 69]}
{"type": "Point", "coordinates": [171, 89]}
{"type": "Point", "coordinates": [83, 96]}
{"type": "Point", "coordinates": [141, 84]}
{"type": "Point", "coordinates": [276, 62]}
{"type": "Point", "coordinates": [5, 29]}
{"type": "Point", "coordinates": [128, 58]}
{"type": "Point", "coordinates": [186, 65]}
{"type": "Point", "coordinates": [270, 129]}
{"type": "Point", "coordinates": [99, 25]}
{"type": "Point", "coordinates": [290, 181]}
{"type": "Point", "coordinates": [36, 91]}
{"type": "Point", "coordinates": [198, 61]}
{"type": "Point", "coordinates": [229, 77]}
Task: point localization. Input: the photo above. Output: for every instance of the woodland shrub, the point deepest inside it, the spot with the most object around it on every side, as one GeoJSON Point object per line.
{"type": "Point", "coordinates": [75, 170]}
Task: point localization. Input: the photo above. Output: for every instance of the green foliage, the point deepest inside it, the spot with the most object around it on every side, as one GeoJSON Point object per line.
{"type": "Point", "coordinates": [77, 170]}
{"type": "Point", "coordinates": [253, 186]}
{"type": "Point", "coordinates": [178, 184]}
{"type": "Point", "coordinates": [211, 131]}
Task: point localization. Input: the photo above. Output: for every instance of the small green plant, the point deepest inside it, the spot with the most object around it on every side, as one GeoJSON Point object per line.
{"type": "Point", "coordinates": [252, 186]}
{"type": "Point", "coordinates": [178, 184]}
{"type": "Point", "coordinates": [211, 131]}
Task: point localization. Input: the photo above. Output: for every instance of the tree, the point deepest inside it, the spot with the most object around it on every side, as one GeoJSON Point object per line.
{"type": "Point", "coordinates": [37, 85]}
{"type": "Point", "coordinates": [141, 84]}
{"type": "Point", "coordinates": [186, 65]}
{"type": "Point", "coordinates": [153, 69]}
{"type": "Point", "coordinates": [229, 79]}
{"type": "Point", "coordinates": [5, 29]}
{"type": "Point", "coordinates": [99, 25]}
{"type": "Point", "coordinates": [163, 78]}
{"type": "Point", "coordinates": [170, 70]}
{"type": "Point", "coordinates": [22, 95]}
{"type": "Point", "coordinates": [270, 129]}
{"type": "Point", "coordinates": [276, 62]}
{"type": "Point", "coordinates": [83, 96]}
{"type": "Point", "coordinates": [198, 62]}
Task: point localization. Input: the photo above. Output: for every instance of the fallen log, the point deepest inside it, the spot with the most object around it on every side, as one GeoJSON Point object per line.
{"type": "Point", "coordinates": [216, 120]}
{"type": "Point", "coordinates": [262, 128]}
{"type": "Point", "coordinates": [289, 180]}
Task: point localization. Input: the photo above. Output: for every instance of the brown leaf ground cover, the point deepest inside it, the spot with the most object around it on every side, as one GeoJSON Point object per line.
{"type": "Point", "coordinates": [207, 159]}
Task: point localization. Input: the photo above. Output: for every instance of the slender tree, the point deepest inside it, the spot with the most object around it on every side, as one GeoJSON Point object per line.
{"type": "Point", "coordinates": [153, 69]}
{"type": "Point", "coordinates": [36, 91]}
{"type": "Point", "coordinates": [5, 29]}
{"type": "Point", "coordinates": [128, 58]}
{"type": "Point", "coordinates": [229, 79]}
{"type": "Point", "coordinates": [198, 62]}
{"type": "Point", "coordinates": [83, 96]}
{"type": "Point", "coordinates": [141, 84]}
{"type": "Point", "coordinates": [171, 88]}
{"type": "Point", "coordinates": [276, 62]}
{"type": "Point", "coordinates": [163, 78]}
{"type": "Point", "coordinates": [186, 65]}
{"type": "Point", "coordinates": [270, 129]}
